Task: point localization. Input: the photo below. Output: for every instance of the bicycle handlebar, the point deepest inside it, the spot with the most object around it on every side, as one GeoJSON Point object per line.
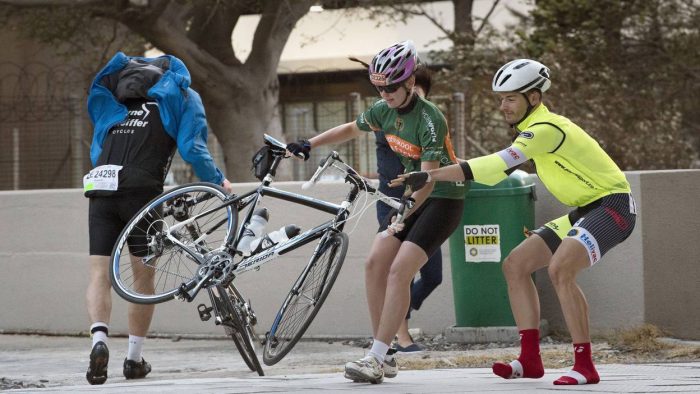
{"type": "Point", "coordinates": [322, 166]}
{"type": "Point", "coordinates": [352, 176]}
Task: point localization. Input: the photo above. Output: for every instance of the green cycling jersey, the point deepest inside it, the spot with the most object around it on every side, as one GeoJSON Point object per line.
{"type": "Point", "coordinates": [571, 164]}
{"type": "Point", "coordinates": [416, 133]}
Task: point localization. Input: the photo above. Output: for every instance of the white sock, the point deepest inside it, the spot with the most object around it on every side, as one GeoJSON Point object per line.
{"type": "Point", "coordinates": [98, 335]}
{"type": "Point", "coordinates": [135, 348]}
{"type": "Point", "coordinates": [379, 350]}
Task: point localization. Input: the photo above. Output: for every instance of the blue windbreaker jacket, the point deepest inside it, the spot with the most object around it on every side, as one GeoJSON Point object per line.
{"type": "Point", "coordinates": [181, 111]}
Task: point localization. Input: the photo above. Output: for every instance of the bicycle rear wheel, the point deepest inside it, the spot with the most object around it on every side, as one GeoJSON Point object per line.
{"type": "Point", "coordinates": [306, 297]}
{"type": "Point", "coordinates": [238, 322]}
{"type": "Point", "coordinates": [146, 266]}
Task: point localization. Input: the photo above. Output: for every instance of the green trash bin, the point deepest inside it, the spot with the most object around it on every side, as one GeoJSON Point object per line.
{"type": "Point", "coordinates": [493, 221]}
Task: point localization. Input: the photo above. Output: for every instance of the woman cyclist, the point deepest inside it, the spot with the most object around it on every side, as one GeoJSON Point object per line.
{"type": "Point", "coordinates": [417, 131]}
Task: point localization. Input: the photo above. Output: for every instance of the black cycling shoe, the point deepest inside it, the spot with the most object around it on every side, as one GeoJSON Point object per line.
{"type": "Point", "coordinates": [99, 358]}
{"type": "Point", "coordinates": [134, 370]}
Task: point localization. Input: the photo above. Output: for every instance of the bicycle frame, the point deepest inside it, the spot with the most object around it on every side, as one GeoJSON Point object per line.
{"type": "Point", "coordinates": [337, 223]}
{"type": "Point", "coordinates": [251, 199]}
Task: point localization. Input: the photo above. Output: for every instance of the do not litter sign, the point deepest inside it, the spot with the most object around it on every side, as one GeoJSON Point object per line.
{"type": "Point", "coordinates": [482, 243]}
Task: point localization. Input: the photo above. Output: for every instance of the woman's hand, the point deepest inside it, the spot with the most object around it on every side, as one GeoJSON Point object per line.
{"type": "Point", "coordinates": [394, 228]}
{"type": "Point", "coordinates": [300, 149]}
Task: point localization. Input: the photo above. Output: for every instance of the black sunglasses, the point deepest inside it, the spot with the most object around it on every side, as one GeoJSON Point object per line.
{"type": "Point", "coordinates": [388, 88]}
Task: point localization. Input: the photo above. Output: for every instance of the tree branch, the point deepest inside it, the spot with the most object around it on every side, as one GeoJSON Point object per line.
{"type": "Point", "coordinates": [275, 26]}
{"type": "Point", "coordinates": [42, 3]}
{"type": "Point", "coordinates": [164, 24]}
{"type": "Point", "coordinates": [486, 18]}
{"type": "Point", "coordinates": [408, 10]}
{"type": "Point", "coordinates": [211, 27]}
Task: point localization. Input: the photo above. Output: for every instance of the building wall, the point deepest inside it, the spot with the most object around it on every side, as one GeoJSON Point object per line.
{"type": "Point", "coordinates": [652, 277]}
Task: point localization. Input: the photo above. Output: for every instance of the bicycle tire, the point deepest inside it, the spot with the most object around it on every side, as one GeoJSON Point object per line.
{"type": "Point", "coordinates": [142, 250]}
{"type": "Point", "coordinates": [237, 326]}
{"type": "Point", "coordinates": [296, 314]}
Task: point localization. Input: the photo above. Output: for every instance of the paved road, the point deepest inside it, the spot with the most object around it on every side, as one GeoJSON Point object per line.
{"type": "Point", "coordinates": [186, 366]}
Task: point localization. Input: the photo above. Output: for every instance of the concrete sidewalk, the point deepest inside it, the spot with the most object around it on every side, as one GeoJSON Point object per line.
{"type": "Point", "coordinates": [184, 366]}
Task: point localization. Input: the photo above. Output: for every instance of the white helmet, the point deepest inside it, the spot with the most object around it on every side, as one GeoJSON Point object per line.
{"type": "Point", "coordinates": [520, 76]}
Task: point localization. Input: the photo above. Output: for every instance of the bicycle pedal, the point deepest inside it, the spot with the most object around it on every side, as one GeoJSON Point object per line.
{"type": "Point", "coordinates": [204, 312]}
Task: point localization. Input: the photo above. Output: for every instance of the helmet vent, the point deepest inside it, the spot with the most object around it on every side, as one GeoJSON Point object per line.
{"type": "Point", "coordinates": [505, 79]}
{"type": "Point", "coordinates": [521, 65]}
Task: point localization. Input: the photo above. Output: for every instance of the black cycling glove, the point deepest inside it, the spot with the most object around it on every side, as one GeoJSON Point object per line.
{"type": "Point", "coordinates": [416, 180]}
{"type": "Point", "coordinates": [300, 148]}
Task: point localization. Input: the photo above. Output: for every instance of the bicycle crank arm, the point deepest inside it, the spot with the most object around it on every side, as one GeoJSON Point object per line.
{"type": "Point", "coordinates": [189, 295]}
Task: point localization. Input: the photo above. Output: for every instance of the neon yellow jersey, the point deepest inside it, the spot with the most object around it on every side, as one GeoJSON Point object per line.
{"type": "Point", "coordinates": [571, 164]}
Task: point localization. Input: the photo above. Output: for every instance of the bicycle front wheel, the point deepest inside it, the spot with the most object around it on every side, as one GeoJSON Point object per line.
{"type": "Point", "coordinates": [146, 266]}
{"type": "Point", "coordinates": [306, 297]}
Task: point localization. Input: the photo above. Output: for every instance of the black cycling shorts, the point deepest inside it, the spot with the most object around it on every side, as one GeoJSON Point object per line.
{"type": "Point", "coordinates": [431, 224]}
{"type": "Point", "coordinates": [598, 226]}
{"type": "Point", "coordinates": [108, 217]}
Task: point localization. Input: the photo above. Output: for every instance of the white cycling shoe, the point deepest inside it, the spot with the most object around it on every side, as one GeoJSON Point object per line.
{"type": "Point", "coordinates": [366, 369]}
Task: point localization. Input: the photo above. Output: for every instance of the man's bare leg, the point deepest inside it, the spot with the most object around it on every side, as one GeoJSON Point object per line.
{"type": "Point", "coordinates": [570, 259]}
{"type": "Point", "coordinates": [531, 255]}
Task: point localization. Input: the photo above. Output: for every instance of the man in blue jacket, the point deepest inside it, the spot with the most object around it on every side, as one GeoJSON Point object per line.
{"type": "Point", "coordinates": [143, 109]}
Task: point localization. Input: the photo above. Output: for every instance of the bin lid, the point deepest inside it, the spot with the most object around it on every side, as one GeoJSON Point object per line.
{"type": "Point", "coordinates": [518, 182]}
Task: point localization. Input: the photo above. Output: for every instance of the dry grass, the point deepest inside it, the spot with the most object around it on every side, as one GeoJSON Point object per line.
{"type": "Point", "coordinates": [644, 339]}
{"type": "Point", "coordinates": [639, 345]}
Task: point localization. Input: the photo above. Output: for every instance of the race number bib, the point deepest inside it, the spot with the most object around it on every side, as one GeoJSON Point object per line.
{"type": "Point", "coordinates": [102, 178]}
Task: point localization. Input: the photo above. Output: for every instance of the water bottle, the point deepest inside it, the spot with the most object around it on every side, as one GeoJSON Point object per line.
{"type": "Point", "coordinates": [254, 230]}
{"type": "Point", "coordinates": [275, 237]}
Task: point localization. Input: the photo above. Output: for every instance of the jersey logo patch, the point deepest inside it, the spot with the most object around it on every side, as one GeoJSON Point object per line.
{"type": "Point", "coordinates": [398, 125]}
{"type": "Point", "coordinates": [403, 147]}
{"type": "Point", "coordinates": [527, 134]}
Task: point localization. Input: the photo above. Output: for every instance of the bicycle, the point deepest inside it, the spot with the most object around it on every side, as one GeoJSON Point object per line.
{"type": "Point", "coordinates": [186, 239]}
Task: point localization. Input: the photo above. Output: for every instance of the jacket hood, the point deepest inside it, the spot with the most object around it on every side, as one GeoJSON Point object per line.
{"type": "Point", "coordinates": [130, 76]}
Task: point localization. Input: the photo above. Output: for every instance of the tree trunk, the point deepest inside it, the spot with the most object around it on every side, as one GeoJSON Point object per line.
{"type": "Point", "coordinates": [239, 123]}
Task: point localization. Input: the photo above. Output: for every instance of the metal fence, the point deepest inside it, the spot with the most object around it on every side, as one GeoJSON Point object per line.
{"type": "Point", "coordinates": [42, 148]}
{"type": "Point", "coordinates": [43, 138]}
{"type": "Point", "coordinates": [45, 141]}
{"type": "Point", "coordinates": [306, 119]}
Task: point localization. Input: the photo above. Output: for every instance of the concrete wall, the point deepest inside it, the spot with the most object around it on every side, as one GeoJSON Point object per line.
{"type": "Point", "coordinates": [652, 277]}
{"type": "Point", "coordinates": [671, 239]}
{"type": "Point", "coordinates": [43, 270]}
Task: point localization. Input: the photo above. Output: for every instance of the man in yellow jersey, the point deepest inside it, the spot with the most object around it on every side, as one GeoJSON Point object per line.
{"type": "Point", "coordinates": [577, 171]}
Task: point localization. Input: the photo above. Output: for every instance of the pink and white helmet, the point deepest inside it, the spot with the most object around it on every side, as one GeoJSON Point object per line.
{"type": "Point", "coordinates": [394, 64]}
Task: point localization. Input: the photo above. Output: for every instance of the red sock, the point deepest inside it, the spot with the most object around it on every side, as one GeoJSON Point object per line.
{"type": "Point", "coordinates": [529, 364]}
{"type": "Point", "coordinates": [584, 371]}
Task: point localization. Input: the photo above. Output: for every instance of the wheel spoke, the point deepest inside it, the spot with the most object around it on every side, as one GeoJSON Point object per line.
{"type": "Point", "coordinates": [147, 266]}
{"type": "Point", "coordinates": [304, 302]}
